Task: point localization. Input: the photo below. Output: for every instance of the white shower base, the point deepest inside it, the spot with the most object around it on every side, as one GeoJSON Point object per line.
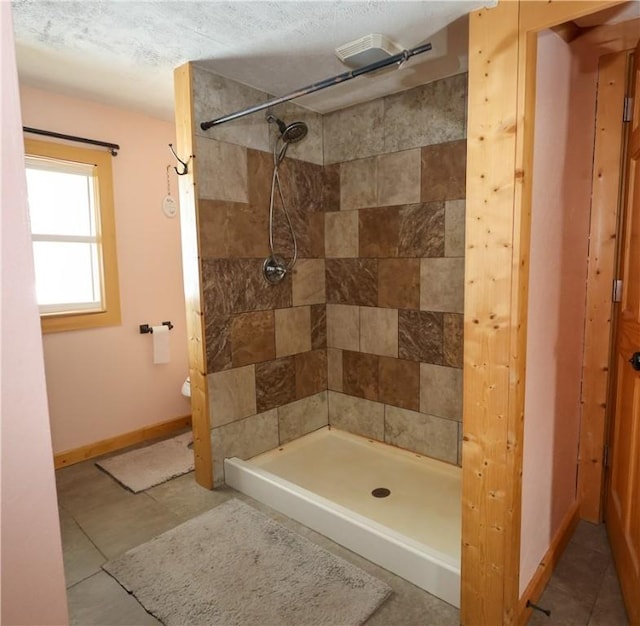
{"type": "Point", "coordinates": [324, 480]}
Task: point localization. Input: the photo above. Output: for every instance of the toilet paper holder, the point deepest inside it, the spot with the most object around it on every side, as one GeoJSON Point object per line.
{"type": "Point", "coordinates": [145, 328]}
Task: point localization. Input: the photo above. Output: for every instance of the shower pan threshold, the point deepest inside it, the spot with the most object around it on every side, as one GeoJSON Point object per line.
{"type": "Point", "coordinates": [325, 481]}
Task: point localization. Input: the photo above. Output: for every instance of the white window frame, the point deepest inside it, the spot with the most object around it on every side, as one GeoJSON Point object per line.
{"type": "Point", "coordinates": [63, 157]}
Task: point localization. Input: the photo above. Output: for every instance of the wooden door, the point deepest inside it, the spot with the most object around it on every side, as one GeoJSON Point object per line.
{"type": "Point", "coordinates": [623, 498]}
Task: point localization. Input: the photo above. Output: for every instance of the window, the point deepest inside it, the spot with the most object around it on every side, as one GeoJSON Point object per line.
{"type": "Point", "coordinates": [73, 234]}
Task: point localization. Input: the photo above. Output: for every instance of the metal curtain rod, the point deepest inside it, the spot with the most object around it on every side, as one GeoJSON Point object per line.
{"type": "Point", "coordinates": [399, 58]}
{"type": "Point", "coordinates": [113, 147]}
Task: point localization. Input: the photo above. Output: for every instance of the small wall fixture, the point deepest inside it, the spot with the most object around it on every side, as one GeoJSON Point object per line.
{"type": "Point", "coordinates": [145, 328]}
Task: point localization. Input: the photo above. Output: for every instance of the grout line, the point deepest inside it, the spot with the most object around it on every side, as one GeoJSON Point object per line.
{"type": "Point", "coordinates": [99, 571]}
{"type": "Point", "coordinates": [91, 541]}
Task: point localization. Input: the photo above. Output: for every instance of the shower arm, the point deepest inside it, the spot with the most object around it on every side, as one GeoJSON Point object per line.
{"type": "Point", "coordinates": [399, 58]}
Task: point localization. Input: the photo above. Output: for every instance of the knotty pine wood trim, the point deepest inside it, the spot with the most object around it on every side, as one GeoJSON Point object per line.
{"type": "Point", "coordinates": [92, 450]}
{"type": "Point", "coordinates": [543, 573]}
{"type": "Point", "coordinates": [185, 141]}
{"type": "Point", "coordinates": [502, 66]}
{"type": "Point", "coordinates": [601, 271]}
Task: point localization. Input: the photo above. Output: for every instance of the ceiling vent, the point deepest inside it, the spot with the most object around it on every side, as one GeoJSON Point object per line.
{"type": "Point", "coordinates": [366, 50]}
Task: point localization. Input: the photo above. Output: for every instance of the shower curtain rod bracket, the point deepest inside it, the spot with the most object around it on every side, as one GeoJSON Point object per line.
{"type": "Point", "coordinates": [401, 58]}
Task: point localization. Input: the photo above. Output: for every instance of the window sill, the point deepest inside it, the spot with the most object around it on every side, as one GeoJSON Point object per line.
{"type": "Point", "coordinates": [55, 323]}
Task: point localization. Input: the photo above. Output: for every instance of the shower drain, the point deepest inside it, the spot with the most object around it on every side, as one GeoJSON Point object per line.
{"type": "Point", "coordinates": [380, 492]}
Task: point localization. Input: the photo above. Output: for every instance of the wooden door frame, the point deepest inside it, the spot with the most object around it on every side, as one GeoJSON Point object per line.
{"type": "Point", "coordinates": [604, 237]}
{"type": "Point", "coordinates": [501, 105]}
{"type": "Point", "coordinates": [625, 343]}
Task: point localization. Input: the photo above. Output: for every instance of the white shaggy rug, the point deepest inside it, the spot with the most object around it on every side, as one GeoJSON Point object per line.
{"type": "Point", "coordinates": [143, 468]}
{"type": "Point", "coordinates": [234, 566]}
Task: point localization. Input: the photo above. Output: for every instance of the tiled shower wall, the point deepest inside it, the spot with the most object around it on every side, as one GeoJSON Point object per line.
{"type": "Point", "coordinates": [379, 274]}
{"type": "Point", "coordinates": [265, 344]}
{"type": "Point", "coordinates": [395, 267]}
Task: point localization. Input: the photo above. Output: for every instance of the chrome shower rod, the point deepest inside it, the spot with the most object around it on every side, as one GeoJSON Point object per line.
{"type": "Point", "coordinates": [399, 58]}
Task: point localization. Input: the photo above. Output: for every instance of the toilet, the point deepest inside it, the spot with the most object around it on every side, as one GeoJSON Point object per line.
{"type": "Point", "coordinates": [186, 387]}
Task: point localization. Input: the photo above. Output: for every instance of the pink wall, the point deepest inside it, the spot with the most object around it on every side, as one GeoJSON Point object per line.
{"type": "Point", "coordinates": [102, 382]}
{"type": "Point", "coordinates": [563, 151]}
{"type": "Point", "coordinates": [32, 577]}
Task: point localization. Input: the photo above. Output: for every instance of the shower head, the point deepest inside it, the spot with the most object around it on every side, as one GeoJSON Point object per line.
{"type": "Point", "coordinates": [291, 133]}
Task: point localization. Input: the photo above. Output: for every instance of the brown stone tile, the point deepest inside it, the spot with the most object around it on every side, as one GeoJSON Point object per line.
{"type": "Point", "coordinates": [308, 228]}
{"type": "Point", "coordinates": [442, 284]}
{"type": "Point", "coordinates": [453, 339]}
{"type": "Point", "coordinates": [221, 293]}
{"type": "Point", "coordinates": [331, 187]}
{"type": "Point", "coordinates": [275, 383]}
{"type": "Point", "coordinates": [245, 438]}
{"type": "Point", "coordinates": [318, 326]}
{"type": "Point", "coordinates": [441, 391]}
{"type": "Point", "coordinates": [379, 331]}
{"type": "Point", "coordinates": [218, 342]}
{"type": "Point", "coordinates": [282, 238]}
{"type": "Point", "coordinates": [444, 169]}
{"type": "Point", "coordinates": [360, 374]}
{"type": "Point", "coordinates": [213, 216]}
{"type": "Point", "coordinates": [399, 177]}
{"type": "Point", "coordinates": [232, 395]}
{"type": "Point", "coordinates": [302, 188]}
{"type": "Point", "coordinates": [309, 282]}
{"type": "Point", "coordinates": [422, 230]}
{"type": "Point", "coordinates": [454, 227]}
{"type": "Point", "coordinates": [399, 383]}
{"type": "Point", "coordinates": [426, 115]}
{"type": "Point", "coordinates": [341, 234]}
{"type": "Point", "coordinates": [213, 95]}
{"type": "Point", "coordinates": [293, 330]}
{"type": "Point", "coordinates": [378, 232]}
{"type": "Point", "coordinates": [358, 183]}
{"type": "Point", "coordinates": [311, 148]}
{"type": "Point", "coordinates": [343, 326]}
{"type": "Point", "coordinates": [302, 185]}
{"type": "Point", "coordinates": [420, 336]}
{"type": "Point", "coordinates": [354, 132]}
{"type": "Point", "coordinates": [316, 236]}
{"type": "Point", "coordinates": [259, 172]}
{"type": "Point", "coordinates": [233, 229]}
{"type": "Point", "coordinates": [334, 369]}
{"type": "Point", "coordinates": [311, 373]}
{"type": "Point", "coordinates": [257, 293]}
{"type": "Point", "coordinates": [399, 283]}
{"type": "Point", "coordinates": [352, 281]}
{"type": "Point", "coordinates": [222, 169]}
{"type": "Point", "coordinates": [252, 338]}
{"type": "Point", "coordinates": [303, 416]}
{"type": "Point", "coordinates": [356, 415]}
{"type": "Point", "coordinates": [425, 434]}
{"type": "Point", "coordinates": [237, 286]}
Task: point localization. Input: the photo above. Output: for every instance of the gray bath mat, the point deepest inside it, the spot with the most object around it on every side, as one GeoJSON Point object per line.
{"type": "Point", "coordinates": [143, 468]}
{"type": "Point", "coordinates": [234, 566]}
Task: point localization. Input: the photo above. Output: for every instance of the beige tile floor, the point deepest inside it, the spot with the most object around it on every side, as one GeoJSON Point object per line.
{"type": "Point", "coordinates": [100, 520]}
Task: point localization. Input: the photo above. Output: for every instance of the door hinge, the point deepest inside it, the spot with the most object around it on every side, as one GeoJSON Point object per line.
{"type": "Point", "coordinates": [627, 113]}
{"type": "Point", "coordinates": [605, 457]}
{"type": "Point", "coordinates": [617, 290]}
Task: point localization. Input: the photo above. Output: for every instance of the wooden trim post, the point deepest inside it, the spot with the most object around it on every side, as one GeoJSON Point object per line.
{"type": "Point", "coordinates": [185, 141]}
{"type": "Point", "coordinates": [605, 204]}
{"type": "Point", "coordinates": [488, 488]}
{"type": "Point", "coordinates": [502, 66]}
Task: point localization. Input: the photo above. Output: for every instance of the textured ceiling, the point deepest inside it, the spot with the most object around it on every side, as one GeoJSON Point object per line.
{"type": "Point", "coordinates": [124, 52]}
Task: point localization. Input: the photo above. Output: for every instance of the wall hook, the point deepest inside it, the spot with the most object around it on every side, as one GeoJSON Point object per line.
{"type": "Point", "coordinates": [185, 164]}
